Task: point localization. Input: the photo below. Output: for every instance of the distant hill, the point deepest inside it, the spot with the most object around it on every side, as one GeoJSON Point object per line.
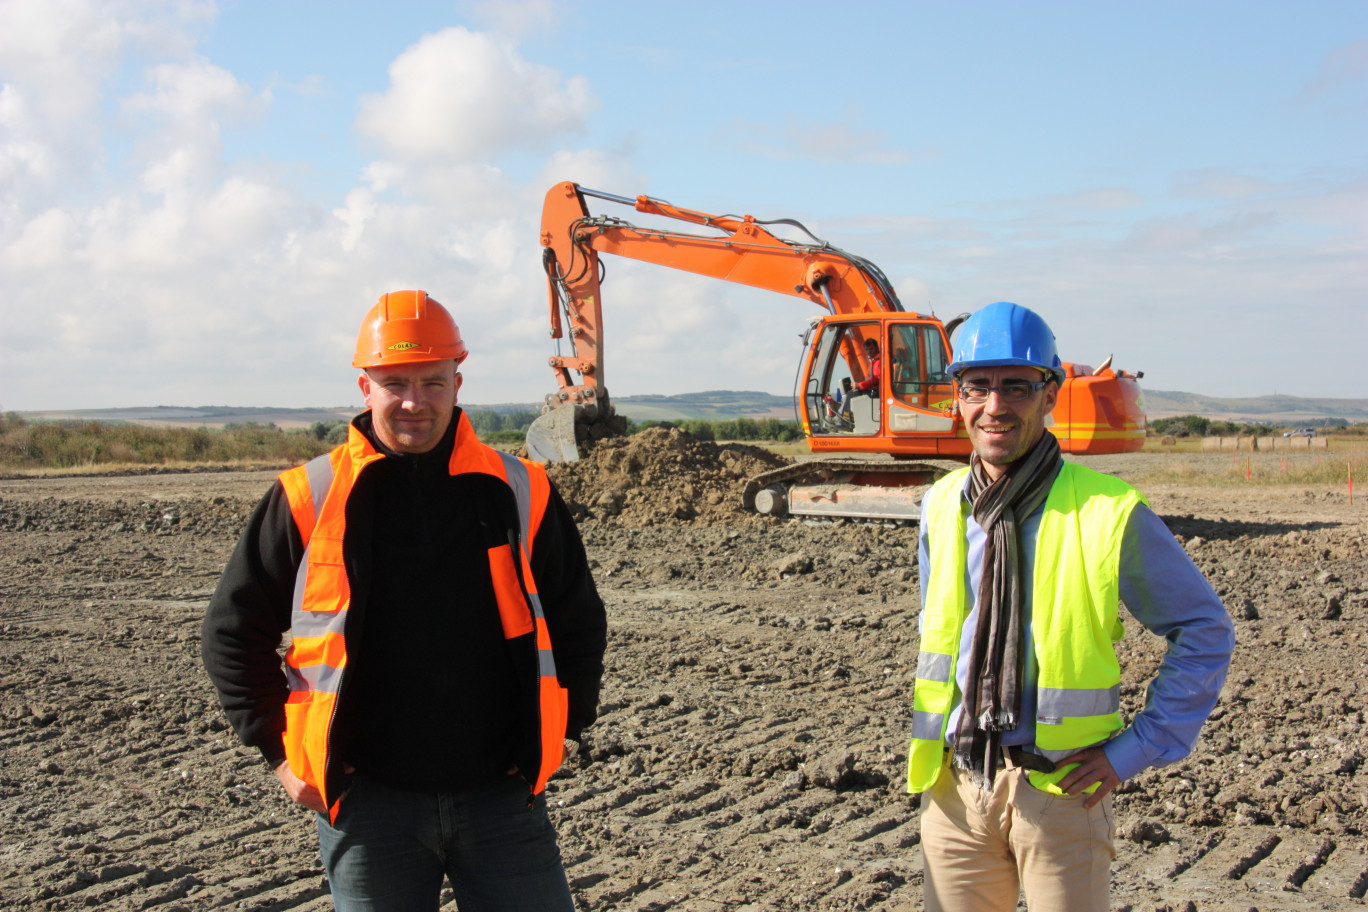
{"type": "Point", "coordinates": [1258, 410]}
{"type": "Point", "coordinates": [723, 405]}
{"type": "Point", "coordinates": [718, 405]}
{"type": "Point", "coordinates": [199, 416]}
{"type": "Point", "coordinates": [711, 405]}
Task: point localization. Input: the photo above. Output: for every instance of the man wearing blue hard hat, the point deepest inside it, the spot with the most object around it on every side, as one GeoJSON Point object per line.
{"type": "Point", "coordinates": [1017, 733]}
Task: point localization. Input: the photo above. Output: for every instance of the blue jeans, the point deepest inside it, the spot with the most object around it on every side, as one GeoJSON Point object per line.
{"type": "Point", "coordinates": [389, 850]}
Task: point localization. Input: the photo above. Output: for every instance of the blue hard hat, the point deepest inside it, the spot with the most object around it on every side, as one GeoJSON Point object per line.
{"type": "Point", "coordinates": [1005, 334]}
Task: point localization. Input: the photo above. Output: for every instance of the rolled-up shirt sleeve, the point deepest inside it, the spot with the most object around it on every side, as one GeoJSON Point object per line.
{"type": "Point", "coordinates": [1166, 592]}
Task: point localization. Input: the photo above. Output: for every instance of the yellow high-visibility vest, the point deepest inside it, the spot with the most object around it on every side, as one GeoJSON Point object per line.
{"type": "Point", "coordinates": [1075, 592]}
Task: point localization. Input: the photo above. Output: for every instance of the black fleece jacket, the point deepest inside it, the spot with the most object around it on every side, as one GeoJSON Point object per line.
{"type": "Point", "coordinates": [434, 697]}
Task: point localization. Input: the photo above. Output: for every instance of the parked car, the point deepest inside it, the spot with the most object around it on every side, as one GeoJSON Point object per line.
{"type": "Point", "coordinates": [1301, 432]}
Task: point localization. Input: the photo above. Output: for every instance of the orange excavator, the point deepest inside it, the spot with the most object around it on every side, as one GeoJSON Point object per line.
{"type": "Point", "coordinates": [875, 402]}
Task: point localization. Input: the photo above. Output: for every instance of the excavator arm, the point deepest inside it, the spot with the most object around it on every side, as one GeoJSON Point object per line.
{"type": "Point", "coordinates": [741, 249]}
{"type": "Point", "coordinates": [906, 413]}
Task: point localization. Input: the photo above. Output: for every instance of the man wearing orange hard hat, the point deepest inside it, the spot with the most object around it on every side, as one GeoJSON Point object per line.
{"type": "Point", "coordinates": [446, 637]}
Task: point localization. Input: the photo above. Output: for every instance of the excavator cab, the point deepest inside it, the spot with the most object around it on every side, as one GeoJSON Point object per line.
{"type": "Point", "coordinates": [881, 379]}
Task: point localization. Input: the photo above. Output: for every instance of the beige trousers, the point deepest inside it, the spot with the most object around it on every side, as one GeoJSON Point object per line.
{"type": "Point", "coordinates": [982, 848]}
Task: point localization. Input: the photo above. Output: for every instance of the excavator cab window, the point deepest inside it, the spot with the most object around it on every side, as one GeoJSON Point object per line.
{"type": "Point", "coordinates": [841, 365]}
{"type": "Point", "coordinates": [918, 360]}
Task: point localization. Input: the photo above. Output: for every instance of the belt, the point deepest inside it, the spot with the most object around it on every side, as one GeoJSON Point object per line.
{"type": "Point", "coordinates": [1019, 756]}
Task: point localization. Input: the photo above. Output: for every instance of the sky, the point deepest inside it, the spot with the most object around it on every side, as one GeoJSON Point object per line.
{"type": "Point", "coordinates": [199, 201]}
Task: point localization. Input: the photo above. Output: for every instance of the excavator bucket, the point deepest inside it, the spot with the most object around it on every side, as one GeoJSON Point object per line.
{"type": "Point", "coordinates": [551, 438]}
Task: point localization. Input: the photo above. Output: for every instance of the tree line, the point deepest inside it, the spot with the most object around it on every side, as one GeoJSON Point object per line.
{"type": "Point", "coordinates": [511, 427]}
{"type": "Point", "coordinates": [27, 445]}
{"type": "Point", "coordinates": [71, 444]}
{"type": "Point", "coordinates": [1197, 426]}
{"type": "Point", "coordinates": [769, 429]}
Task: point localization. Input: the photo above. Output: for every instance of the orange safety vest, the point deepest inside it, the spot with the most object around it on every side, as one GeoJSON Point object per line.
{"type": "Point", "coordinates": [317, 658]}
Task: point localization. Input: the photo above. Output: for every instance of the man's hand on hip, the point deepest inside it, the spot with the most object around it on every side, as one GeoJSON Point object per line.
{"type": "Point", "coordinates": [300, 792]}
{"type": "Point", "coordinates": [1093, 766]}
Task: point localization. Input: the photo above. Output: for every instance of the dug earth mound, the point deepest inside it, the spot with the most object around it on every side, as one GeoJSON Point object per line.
{"type": "Point", "coordinates": [755, 711]}
{"type": "Point", "coordinates": [661, 475]}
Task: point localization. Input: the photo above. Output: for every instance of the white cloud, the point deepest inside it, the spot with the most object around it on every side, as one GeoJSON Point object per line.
{"type": "Point", "coordinates": [1219, 185]}
{"type": "Point", "coordinates": [191, 96]}
{"type": "Point", "coordinates": [194, 279]}
{"type": "Point", "coordinates": [56, 58]}
{"type": "Point", "coordinates": [361, 206]}
{"type": "Point", "coordinates": [669, 331]}
{"type": "Point", "coordinates": [1343, 67]}
{"type": "Point", "coordinates": [915, 294]}
{"type": "Point", "coordinates": [197, 280]}
{"type": "Point", "coordinates": [1197, 234]}
{"type": "Point", "coordinates": [1101, 199]}
{"type": "Point", "coordinates": [1226, 298]}
{"type": "Point", "coordinates": [24, 156]}
{"type": "Point", "coordinates": [839, 140]}
{"type": "Point", "coordinates": [311, 86]}
{"type": "Point", "coordinates": [466, 96]}
{"type": "Point", "coordinates": [67, 47]}
{"type": "Point", "coordinates": [609, 170]}
{"type": "Point", "coordinates": [517, 18]}
{"type": "Point", "coordinates": [44, 243]}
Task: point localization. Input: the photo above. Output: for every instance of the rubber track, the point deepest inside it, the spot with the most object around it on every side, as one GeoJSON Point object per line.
{"type": "Point", "coordinates": [815, 467]}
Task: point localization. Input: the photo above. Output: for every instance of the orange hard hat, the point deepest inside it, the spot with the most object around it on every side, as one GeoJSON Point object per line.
{"type": "Point", "coordinates": [407, 326]}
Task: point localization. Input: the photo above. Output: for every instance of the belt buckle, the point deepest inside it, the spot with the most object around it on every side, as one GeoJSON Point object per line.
{"type": "Point", "coordinates": [1018, 756]}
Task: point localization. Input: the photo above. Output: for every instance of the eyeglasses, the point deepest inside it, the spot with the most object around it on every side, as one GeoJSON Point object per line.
{"type": "Point", "coordinates": [1011, 391]}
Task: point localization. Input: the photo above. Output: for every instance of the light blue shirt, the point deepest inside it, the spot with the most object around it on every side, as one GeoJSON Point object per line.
{"type": "Point", "coordinates": [1165, 592]}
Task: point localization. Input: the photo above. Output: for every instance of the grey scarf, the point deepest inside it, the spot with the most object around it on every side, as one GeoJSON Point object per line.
{"type": "Point", "coordinates": [992, 697]}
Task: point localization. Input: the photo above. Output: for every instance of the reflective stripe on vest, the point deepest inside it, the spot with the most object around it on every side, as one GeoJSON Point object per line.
{"type": "Point", "coordinates": [316, 660]}
{"type": "Point", "coordinates": [530, 491]}
{"type": "Point", "coordinates": [318, 655]}
{"type": "Point", "coordinates": [934, 689]}
{"type": "Point", "coordinates": [1074, 592]}
{"type": "Point", "coordinates": [520, 482]}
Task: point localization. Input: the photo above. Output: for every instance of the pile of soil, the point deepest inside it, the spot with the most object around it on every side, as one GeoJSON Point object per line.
{"type": "Point", "coordinates": [658, 475]}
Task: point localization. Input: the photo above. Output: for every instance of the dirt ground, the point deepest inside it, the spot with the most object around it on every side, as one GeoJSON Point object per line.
{"type": "Point", "coordinates": [755, 712]}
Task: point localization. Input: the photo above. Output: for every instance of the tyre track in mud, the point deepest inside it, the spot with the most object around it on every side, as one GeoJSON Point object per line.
{"type": "Point", "coordinates": [121, 787]}
{"type": "Point", "coordinates": [753, 728]}
{"type": "Point", "coordinates": [1266, 867]}
{"type": "Point", "coordinates": [715, 774]}
{"type": "Point", "coordinates": [817, 865]}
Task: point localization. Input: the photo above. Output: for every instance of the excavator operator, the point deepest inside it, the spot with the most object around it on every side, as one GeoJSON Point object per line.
{"type": "Point", "coordinates": [870, 384]}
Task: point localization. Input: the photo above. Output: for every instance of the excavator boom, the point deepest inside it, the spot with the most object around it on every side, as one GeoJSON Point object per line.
{"type": "Point", "coordinates": [741, 250]}
{"type": "Point", "coordinates": [873, 381]}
